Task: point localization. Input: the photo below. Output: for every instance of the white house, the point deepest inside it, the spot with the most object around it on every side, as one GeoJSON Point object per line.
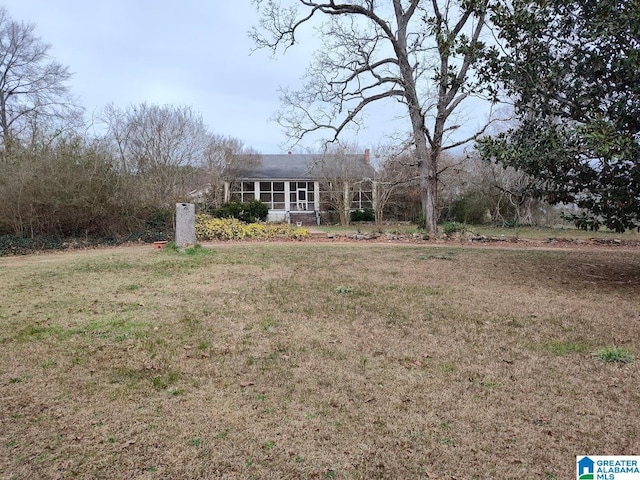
{"type": "Point", "coordinates": [295, 187]}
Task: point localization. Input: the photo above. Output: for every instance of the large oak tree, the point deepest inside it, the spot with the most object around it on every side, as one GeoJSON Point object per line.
{"type": "Point", "coordinates": [418, 52]}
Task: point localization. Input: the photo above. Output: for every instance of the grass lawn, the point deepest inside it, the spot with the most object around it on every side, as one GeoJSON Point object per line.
{"type": "Point", "coordinates": [318, 360]}
{"type": "Point", "coordinates": [533, 233]}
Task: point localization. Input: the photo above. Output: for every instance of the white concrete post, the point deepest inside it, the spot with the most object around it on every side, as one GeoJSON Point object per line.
{"type": "Point", "coordinates": [185, 224]}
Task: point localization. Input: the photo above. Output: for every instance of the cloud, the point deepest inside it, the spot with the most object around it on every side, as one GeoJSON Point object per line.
{"type": "Point", "coordinates": [188, 53]}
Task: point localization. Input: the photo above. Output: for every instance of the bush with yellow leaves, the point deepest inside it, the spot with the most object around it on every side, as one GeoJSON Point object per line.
{"type": "Point", "coordinates": [210, 228]}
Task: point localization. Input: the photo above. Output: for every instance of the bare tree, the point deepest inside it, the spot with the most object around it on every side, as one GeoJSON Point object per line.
{"type": "Point", "coordinates": [477, 190]}
{"type": "Point", "coordinates": [418, 52]}
{"type": "Point", "coordinates": [510, 193]}
{"type": "Point", "coordinates": [33, 87]}
{"type": "Point", "coordinates": [342, 174]}
{"type": "Point", "coordinates": [162, 145]}
{"type": "Point", "coordinates": [394, 170]}
{"type": "Point", "coordinates": [223, 158]}
{"type": "Point", "coordinates": [118, 132]}
{"type": "Point", "coordinates": [67, 188]}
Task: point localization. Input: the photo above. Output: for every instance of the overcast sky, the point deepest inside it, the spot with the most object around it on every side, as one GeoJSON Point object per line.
{"type": "Point", "coordinates": [193, 52]}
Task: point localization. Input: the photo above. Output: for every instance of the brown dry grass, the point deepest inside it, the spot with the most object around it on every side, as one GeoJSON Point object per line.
{"type": "Point", "coordinates": [316, 361]}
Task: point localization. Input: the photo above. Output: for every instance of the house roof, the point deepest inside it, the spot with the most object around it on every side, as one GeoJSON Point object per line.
{"type": "Point", "coordinates": [298, 167]}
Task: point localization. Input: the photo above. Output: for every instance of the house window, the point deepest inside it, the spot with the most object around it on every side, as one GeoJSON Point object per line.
{"type": "Point", "coordinates": [331, 195]}
{"type": "Point", "coordinates": [272, 193]}
{"type": "Point", "coordinates": [243, 192]}
{"type": "Point", "coordinates": [361, 199]}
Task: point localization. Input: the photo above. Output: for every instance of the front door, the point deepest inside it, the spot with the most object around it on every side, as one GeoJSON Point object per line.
{"type": "Point", "coordinates": [302, 199]}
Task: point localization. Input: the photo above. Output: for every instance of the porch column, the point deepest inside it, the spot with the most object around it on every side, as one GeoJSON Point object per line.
{"type": "Point", "coordinates": [346, 202]}
{"type": "Point", "coordinates": [316, 196]}
{"type": "Point", "coordinates": [227, 192]}
{"type": "Point", "coordinates": [374, 199]}
{"type": "Point", "coordinates": [287, 196]}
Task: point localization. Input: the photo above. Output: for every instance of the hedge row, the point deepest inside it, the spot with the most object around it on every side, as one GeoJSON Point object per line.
{"type": "Point", "coordinates": [209, 228]}
{"type": "Point", "coordinates": [14, 245]}
{"type": "Point", "coordinates": [248, 212]}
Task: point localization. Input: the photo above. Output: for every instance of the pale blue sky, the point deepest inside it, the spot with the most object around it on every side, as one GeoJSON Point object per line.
{"type": "Point", "coordinates": [191, 52]}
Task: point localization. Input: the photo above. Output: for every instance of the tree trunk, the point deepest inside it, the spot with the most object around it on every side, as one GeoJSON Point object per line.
{"type": "Point", "coordinates": [428, 193]}
{"type": "Point", "coordinates": [427, 161]}
{"type": "Point", "coordinates": [4, 126]}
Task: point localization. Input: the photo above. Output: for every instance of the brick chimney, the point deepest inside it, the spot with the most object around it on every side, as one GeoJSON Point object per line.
{"type": "Point", "coordinates": [367, 155]}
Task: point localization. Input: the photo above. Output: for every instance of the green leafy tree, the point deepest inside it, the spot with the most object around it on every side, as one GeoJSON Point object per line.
{"type": "Point", "coordinates": [572, 69]}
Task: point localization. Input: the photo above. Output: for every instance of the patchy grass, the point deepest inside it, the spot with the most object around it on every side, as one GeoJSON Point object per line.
{"type": "Point", "coordinates": [560, 232]}
{"type": "Point", "coordinates": [345, 361]}
{"type": "Point", "coordinates": [566, 348]}
{"type": "Point", "coordinates": [369, 227]}
{"type": "Point", "coordinates": [534, 233]}
{"type": "Point", "coordinates": [614, 355]}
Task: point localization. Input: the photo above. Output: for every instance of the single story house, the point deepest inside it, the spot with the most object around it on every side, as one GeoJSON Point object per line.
{"type": "Point", "coordinates": [301, 188]}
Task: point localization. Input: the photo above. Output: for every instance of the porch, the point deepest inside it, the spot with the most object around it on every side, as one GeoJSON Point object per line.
{"type": "Point", "coordinates": [288, 201]}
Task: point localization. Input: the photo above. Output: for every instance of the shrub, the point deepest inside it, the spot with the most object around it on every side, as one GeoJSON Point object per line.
{"type": "Point", "coordinates": [156, 225]}
{"type": "Point", "coordinates": [470, 208]}
{"type": "Point", "coordinates": [422, 221]}
{"type": "Point", "coordinates": [17, 245]}
{"type": "Point", "coordinates": [209, 228]}
{"type": "Point", "coordinates": [453, 227]}
{"type": "Point", "coordinates": [363, 215]}
{"type": "Point", "coordinates": [248, 212]}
